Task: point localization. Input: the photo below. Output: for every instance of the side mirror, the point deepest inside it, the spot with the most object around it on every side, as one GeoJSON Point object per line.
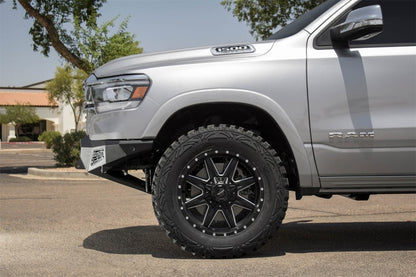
{"type": "Point", "coordinates": [361, 24]}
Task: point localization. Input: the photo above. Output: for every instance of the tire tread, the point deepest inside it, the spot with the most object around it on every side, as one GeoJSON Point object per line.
{"type": "Point", "coordinates": [167, 224]}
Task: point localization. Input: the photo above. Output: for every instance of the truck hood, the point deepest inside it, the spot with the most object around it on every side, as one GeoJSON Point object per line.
{"type": "Point", "coordinates": [135, 63]}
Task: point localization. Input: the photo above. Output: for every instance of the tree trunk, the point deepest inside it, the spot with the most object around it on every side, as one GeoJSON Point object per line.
{"type": "Point", "coordinates": [78, 118]}
{"type": "Point", "coordinates": [54, 36]}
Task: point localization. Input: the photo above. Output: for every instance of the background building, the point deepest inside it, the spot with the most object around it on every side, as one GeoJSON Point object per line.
{"type": "Point", "coordinates": [54, 116]}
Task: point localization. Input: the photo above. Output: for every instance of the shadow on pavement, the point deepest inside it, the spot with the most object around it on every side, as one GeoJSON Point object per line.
{"type": "Point", "coordinates": [296, 237]}
{"type": "Point", "coordinates": [135, 240]}
{"type": "Point", "coordinates": [304, 237]}
{"type": "Point", "coordinates": [20, 169]}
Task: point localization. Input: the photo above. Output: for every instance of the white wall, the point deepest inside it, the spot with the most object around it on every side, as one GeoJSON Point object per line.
{"type": "Point", "coordinates": [61, 117]}
{"type": "Point", "coordinates": [67, 121]}
{"type": "Point", "coordinates": [51, 114]}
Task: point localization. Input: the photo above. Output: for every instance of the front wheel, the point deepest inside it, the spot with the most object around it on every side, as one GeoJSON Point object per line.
{"type": "Point", "coordinates": [220, 191]}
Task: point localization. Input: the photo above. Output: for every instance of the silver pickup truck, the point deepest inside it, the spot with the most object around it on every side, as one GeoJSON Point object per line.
{"type": "Point", "coordinates": [325, 106]}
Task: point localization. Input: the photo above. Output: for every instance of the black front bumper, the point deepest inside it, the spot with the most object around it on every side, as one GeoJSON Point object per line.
{"type": "Point", "coordinates": [112, 159]}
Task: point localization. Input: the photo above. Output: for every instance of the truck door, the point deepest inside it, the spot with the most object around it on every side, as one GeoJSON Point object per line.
{"type": "Point", "coordinates": [363, 102]}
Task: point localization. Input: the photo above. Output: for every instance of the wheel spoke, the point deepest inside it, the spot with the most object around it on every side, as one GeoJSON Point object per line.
{"type": "Point", "coordinates": [211, 168]}
{"type": "Point", "coordinates": [245, 183]}
{"type": "Point", "coordinates": [230, 168]}
{"type": "Point", "coordinates": [196, 202]}
{"type": "Point", "coordinates": [209, 216]}
{"type": "Point", "coordinates": [229, 217]}
{"type": "Point", "coordinates": [196, 181]}
{"type": "Point", "coordinates": [220, 183]}
{"type": "Point", "coordinates": [244, 203]}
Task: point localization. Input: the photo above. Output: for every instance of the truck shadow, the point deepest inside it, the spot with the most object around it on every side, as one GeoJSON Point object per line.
{"type": "Point", "coordinates": [293, 237]}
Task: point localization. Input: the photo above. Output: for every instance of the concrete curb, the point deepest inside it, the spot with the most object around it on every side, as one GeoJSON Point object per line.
{"type": "Point", "coordinates": [29, 150]}
{"type": "Point", "coordinates": [48, 173]}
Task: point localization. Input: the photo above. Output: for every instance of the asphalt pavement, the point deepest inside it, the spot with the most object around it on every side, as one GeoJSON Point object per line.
{"type": "Point", "coordinates": [31, 145]}
{"type": "Point", "coordinates": [18, 157]}
{"type": "Point", "coordinates": [34, 160]}
{"type": "Point", "coordinates": [52, 227]}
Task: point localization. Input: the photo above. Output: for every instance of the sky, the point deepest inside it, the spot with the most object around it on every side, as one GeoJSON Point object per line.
{"type": "Point", "coordinates": [159, 25]}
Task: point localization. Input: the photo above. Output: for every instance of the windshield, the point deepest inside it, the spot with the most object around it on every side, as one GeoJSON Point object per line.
{"type": "Point", "coordinates": [304, 20]}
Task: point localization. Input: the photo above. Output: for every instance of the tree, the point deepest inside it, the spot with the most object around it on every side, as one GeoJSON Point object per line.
{"type": "Point", "coordinates": [50, 27]}
{"type": "Point", "coordinates": [64, 25]}
{"type": "Point", "coordinates": [97, 46]}
{"type": "Point", "coordinates": [264, 16]}
{"type": "Point", "coordinates": [66, 87]}
{"type": "Point", "coordinates": [19, 114]}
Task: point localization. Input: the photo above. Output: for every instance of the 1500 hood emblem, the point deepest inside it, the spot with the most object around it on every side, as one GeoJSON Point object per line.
{"type": "Point", "coordinates": [234, 49]}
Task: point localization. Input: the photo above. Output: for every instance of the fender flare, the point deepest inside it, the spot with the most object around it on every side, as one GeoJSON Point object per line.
{"type": "Point", "coordinates": [261, 101]}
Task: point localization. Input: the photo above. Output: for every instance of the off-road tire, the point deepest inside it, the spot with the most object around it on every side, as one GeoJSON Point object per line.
{"type": "Point", "coordinates": [227, 216]}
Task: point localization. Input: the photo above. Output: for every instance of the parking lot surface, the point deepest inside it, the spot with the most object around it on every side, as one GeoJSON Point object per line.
{"type": "Point", "coordinates": [17, 158]}
{"type": "Point", "coordinates": [100, 228]}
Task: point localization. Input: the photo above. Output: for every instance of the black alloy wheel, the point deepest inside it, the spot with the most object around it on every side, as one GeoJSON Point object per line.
{"type": "Point", "coordinates": [220, 193]}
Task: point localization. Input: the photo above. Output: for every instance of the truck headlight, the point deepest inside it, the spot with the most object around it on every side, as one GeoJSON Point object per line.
{"type": "Point", "coordinates": [114, 93]}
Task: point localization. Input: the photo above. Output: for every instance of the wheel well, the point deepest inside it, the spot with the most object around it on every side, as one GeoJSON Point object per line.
{"type": "Point", "coordinates": [243, 115]}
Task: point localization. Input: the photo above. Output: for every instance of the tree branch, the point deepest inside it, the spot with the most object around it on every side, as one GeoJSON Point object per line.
{"type": "Point", "coordinates": [54, 36]}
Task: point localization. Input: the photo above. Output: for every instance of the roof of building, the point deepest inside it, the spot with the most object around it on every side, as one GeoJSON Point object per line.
{"type": "Point", "coordinates": [38, 84]}
{"type": "Point", "coordinates": [36, 99]}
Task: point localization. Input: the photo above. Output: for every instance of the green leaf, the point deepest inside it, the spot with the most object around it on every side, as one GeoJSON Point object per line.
{"type": "Point", "coordinates": [98, 45]}
{"type": "Point", "coordinates": [264, 16]}
{"type": "Point", "coordinates": [19, 114]}
{"type": "Point", "coordinates": [66, 88]}
{"type": "Point", "coordinates": [71, 28]}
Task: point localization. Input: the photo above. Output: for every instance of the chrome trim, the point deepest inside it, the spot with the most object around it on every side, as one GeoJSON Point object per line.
{"type": "Point", "coordinates": [232, 49]}
{"type": "Point", "coordinates": [123, 78]}
{"type": "Point", "coordinates": [347, 135]}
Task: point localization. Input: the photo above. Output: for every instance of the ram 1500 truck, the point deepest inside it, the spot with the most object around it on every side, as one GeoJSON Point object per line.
{"type": "Point", "coordinates": [325, 106]}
